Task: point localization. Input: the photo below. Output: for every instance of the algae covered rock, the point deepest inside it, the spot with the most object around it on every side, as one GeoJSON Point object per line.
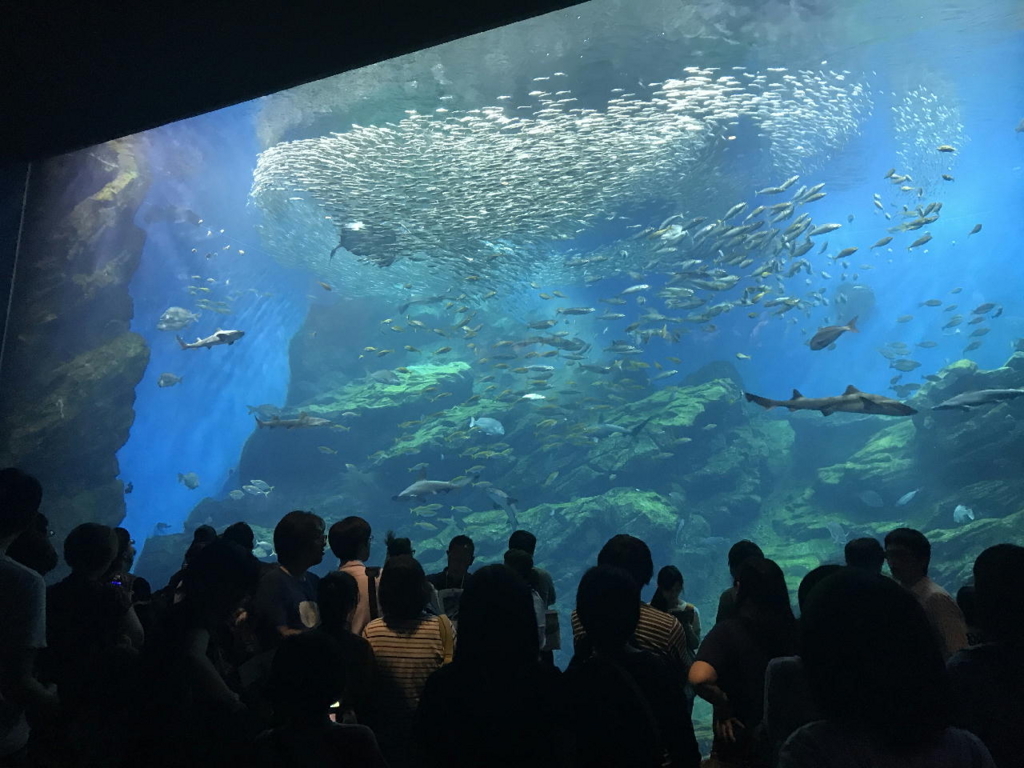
{"type": "Point", "coordinates": [955, 548]}
{"type": "Point", "coordinates": [874, 476]}
{"type": "Point", "coordinates": [355, 456]}
{"type": "Point", "coordinates": [71, 363]}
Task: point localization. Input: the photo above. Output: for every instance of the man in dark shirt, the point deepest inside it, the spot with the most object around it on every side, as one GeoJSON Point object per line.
{"type": "Point", "coordinates": [286, 600]}
{"type": "Point", "coordinates": [527, 542]}
{"type": "Point", "coordinates": [450, 582]}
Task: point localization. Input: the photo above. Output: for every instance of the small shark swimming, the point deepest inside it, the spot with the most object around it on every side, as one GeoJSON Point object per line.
{"type": "Point", "coordinates": [851, 401]}
{"type": "Point", "coordinates": [303, 420]}
{"type": "Point", "coordinates": [423, 488]}
{"type": "Point", "coordinates": [502, 500]}
{"type": "Point", "coordinates": [968, 400]}
{"type": "Point", "coordinates": [218, 337]}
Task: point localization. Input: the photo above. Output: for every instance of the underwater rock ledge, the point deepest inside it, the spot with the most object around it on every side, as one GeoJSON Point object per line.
{"type": "Point", "coordinates": [69, 375]}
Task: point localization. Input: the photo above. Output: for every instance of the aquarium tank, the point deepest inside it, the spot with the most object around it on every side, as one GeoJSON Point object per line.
{"type": "Point", "coordinates": [693, 272]}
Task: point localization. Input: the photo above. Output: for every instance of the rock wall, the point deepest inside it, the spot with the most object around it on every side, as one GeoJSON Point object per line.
{"type": "Point", "coordinates": [690, 468]}
{"type": "Point", "coordinates": [71, 365]}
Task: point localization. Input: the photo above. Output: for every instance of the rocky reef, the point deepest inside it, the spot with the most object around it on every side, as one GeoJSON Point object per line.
{"type": "Point", "coordinates": [71, 363]}
{"type": "Point", "coordinates": [688, 468]}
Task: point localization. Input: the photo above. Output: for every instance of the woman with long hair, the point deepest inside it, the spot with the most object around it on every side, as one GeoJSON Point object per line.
{"type": "Point", "coordinates": [730, 668]}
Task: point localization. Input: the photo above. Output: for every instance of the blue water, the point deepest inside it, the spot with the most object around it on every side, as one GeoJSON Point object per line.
{"type": "Point", "coordinates": [202, 425]}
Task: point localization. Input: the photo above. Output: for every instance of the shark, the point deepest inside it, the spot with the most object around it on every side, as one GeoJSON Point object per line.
{"type": "Point", "coordinates": [303, 420]}
{"type": "Point", "coordinates": [851, 401]}
{"type": "Point", "coordinates": [218, 337]}
{"type": "Point", "coordinates": [423, 488]}
{"type": "Point", "coordinates": [968, 400]}
{"type": "Point", "coordinates": [502, 500]}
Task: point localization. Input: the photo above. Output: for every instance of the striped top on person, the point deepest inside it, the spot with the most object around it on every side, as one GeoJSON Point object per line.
{"type": "Point", "coordinates": [406, 652]}
{"type": "Point", "coordinates": [656, 631]}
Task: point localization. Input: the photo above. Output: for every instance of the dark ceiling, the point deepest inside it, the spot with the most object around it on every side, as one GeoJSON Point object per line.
{"type": "Point", "coordinates": [77, 74]}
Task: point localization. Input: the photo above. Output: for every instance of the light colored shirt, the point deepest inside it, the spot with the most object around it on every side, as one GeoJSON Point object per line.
{"type": "Point", "coordinates": [22, 628]}
{"type": "Point", "coordinates": [361, 613]}
{"type": "Point", "coordinates": [829, 744]}
{"type": "Point", "coordinates": [943, 614]}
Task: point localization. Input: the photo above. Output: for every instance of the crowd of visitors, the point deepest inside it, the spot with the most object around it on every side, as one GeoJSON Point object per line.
{"type": "Point", "coordinates": [239, 662]}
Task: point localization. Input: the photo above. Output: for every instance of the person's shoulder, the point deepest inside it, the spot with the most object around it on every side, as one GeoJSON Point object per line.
{"type": "Point", "coordinates": [652, 617]}
{"type": "Point", "coordinates": [812, 745]}
{"type": "Point", "coordinates": [13, 572]}
{"type": "Point", "coordinates": [783, 664]}
{"type": "Point", "coordinates": [930, 591]}
{"type": "Point", "coordinates": [19, 583]}
{"type": "Point", "coordinates": [271, 575]}
{"type": "Point", "coordinates": [965, 746]}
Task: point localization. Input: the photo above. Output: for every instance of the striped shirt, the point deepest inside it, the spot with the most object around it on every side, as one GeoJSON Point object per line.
{"type": "Point", "coordinates": [656, 631]}
{"type": "Point", "coordinates": [406, 652]}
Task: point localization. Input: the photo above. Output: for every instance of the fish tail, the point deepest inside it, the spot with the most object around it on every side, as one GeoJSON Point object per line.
{"type": "Point", "coordinates": [764, 402]}
{"type": "Point", "coordinates": [852, 325]}
{"type": "Point", "coordinates": [181, 342]}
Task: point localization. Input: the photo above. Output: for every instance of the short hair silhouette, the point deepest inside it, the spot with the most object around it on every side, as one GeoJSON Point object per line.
{"type": "Point", "coordinates": [348, 536]}
{"type": "Point", "coordinates": [865, 553]}
{"type": "Point", "coordinates": [631, 555]}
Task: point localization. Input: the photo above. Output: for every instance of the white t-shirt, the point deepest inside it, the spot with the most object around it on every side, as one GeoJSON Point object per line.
{"type": "Point", "coordinates": [22, 626]}
{"type": "Point", "coordinates": [361, 613]}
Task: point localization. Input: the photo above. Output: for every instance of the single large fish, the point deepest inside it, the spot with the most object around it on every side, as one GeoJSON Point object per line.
{"type": "Point", "coordinates": [423, 488]}
{"type": "Point", "coordinates": [502, 500]}
{"type": "Point", "coordinates": [830, 333]}
{"type": "Point", "coordinates": [303, 420]}
{"type": "Point", "coordinates": [968, 400]}
{"type": "Point", "coordinates": [851, 401]}
{"type": "Point", "coordinates": [218, 337]}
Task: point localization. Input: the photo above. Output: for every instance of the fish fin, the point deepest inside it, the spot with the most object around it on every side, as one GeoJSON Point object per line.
{"type": "Point", "coordinates": [852, 390]}
{"type": "Point", "coordinates": [764, 402]}
{"type": "Point", "coordinates": [827, 411]}
{"type": "Point", "coordinates": [852, 325]}
{"type": "Point", "coordinates": [636, 430]}
{"type": "Point", "coordinates": [870, 406]}
{"type": "Point", "coordinates": [259, 424]}
{"type": "Point", "coordinates": [512, 501]}
{"type": "Point", "coordinates": [797, 395]}
{"type": "Point", "coordinates": [472, 422]}
{"type": "Point", "coordinates": [497, 506]}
